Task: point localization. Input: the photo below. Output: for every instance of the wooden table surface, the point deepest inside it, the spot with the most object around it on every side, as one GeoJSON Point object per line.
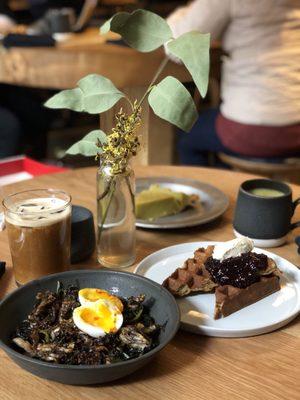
{"type": "Point", "coordinates": [62, 66]}
{"type": "Point", "coordinates": [192, 366]}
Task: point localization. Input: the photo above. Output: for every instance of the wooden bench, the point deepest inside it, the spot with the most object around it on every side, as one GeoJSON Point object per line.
{"type": "Point", "coordinates": [288, 170]}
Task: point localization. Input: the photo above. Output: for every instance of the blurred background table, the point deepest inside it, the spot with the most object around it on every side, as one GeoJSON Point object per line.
{"type": "Point", "coordinates": [60, 67]}
{"type": "Point", "coordinates": [88, 52]}
{"type": "Point", "coordinates": [192, 366]}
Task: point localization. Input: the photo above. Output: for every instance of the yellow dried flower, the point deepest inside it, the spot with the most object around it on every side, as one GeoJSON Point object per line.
{"type": "Point", "coordinates": [123, 142]}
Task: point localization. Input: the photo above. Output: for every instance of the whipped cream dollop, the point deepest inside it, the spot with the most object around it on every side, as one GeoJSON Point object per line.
{"type": "Point", "coordinates": [232, 248]}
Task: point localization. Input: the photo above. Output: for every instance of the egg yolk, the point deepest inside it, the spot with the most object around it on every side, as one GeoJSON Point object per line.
{"type": "Point", "coordinates": [93, 294]}
{"type": "Point", "coordinates": [101, 317]}
{"type": "Point", "coordinates": [97, 294]}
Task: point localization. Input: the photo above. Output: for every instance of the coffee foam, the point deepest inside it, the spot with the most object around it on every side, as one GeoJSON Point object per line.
{"type": "Point", "coordinates": [37, 212]}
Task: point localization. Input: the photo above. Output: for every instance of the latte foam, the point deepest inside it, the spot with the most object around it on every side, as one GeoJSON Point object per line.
{"type": "Point", "coordinates": [37, 212]}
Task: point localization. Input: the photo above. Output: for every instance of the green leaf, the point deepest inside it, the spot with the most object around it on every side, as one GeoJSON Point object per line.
{"type": "Point", "coordinates": [96, 136]}
{"type": "Point", "coordinates": [142, 30]}
{"type": "Point", "coordinates": [99, 93]}
{"type": "Point", "coordinates": [71, 99]}
{"type": "Point", "coordinates": [94, 94]}
{"type": "Point", "coordinates": [171, 101]}
{"type": "Point", "coordinates": [115, 22]}
{"type": "Point", "coordinates": [88, 145]}
{"type": "Point", "coordinates": [192, 49]}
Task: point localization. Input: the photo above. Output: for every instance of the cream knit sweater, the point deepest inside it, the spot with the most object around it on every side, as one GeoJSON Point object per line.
{"type": "Point", "coordinates": [261, 72]}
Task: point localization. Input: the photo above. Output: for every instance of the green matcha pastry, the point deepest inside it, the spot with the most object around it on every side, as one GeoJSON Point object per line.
{"type": "Point", "coordinates": [158, 201]}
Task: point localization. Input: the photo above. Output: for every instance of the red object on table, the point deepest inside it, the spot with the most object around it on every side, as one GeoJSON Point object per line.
{"type": "Point", "coordinates": [21, 167]}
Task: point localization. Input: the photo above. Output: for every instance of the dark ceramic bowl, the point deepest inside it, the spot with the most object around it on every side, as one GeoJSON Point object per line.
{"type": "Point", "coordinates": [17, 305]}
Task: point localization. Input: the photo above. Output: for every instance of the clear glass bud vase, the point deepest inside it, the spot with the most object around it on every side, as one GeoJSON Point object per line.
{"type": "Point", "coordinates": [116, 218]}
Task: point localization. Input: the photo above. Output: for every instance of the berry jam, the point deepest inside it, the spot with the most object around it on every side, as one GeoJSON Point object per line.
{"type": "Point", "coordinates": [239, 271]}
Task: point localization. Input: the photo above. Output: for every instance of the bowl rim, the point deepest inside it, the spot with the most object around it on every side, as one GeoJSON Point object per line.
{"type": "Point", "coordinates": [14, 353]}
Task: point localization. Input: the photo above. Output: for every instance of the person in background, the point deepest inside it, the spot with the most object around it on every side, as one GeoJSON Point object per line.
{"type": "Point", "coordinates": [10, 133]}
{"type": "Point", "coordinates": [10, 130]}
{"type": "Point", "coordinates": [24, 122]}
{"type": "Point", "coordinates": [260, 90]}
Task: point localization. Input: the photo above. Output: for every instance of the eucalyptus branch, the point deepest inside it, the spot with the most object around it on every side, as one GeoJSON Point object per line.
{"type": "Point", "coordinates": [111, 190]}
{"type": "Point", "coordinates": [168, 99]}
{"type": "Point", "coordinates": [107, 189]}
{"type": "Point", "coordinates": [157, 74]}
{"type": "Point", "coordinates": [130, 102]}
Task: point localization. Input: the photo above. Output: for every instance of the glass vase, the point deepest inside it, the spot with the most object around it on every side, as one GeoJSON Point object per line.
{"type": "Point", "coordinates": [116, 218]}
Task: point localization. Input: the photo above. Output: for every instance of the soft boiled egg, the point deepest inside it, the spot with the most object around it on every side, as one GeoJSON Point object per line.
{"type": "Point", "coordinates": [99, 318]}
{"type": "Point", "coordinates": [89, 296]}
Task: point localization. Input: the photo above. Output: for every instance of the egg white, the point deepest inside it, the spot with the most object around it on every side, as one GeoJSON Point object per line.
{"type": "Point", "coordinates": [97, 331]}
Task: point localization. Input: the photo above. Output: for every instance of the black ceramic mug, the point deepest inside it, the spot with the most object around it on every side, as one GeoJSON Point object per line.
{"type": "Point", "coordinates": [265, 220]}
{"type": "Point", "coordinates": [83, 239]}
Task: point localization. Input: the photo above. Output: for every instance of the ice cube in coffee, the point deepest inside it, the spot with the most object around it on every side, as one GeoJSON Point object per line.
{"type": "Point", "coordinates": [39, 232]}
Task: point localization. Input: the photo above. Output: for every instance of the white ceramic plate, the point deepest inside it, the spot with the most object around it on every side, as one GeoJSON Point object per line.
{"type": "Point", "coordinates": [197, 311]}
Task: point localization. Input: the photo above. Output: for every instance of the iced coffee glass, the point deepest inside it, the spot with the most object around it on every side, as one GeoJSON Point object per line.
{"type": "Point", "coordinates": [39, 231]}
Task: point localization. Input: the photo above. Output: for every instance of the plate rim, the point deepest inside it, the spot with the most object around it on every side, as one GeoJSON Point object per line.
{"type": "Point", "coordinates": [236, 332]}
{"type": "Point", "coordinates": [193, 183]}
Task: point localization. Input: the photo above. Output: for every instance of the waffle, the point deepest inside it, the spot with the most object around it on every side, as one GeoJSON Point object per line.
{"type": "Point", "coordinates": [230, 299]}
{"type": "Point", "coordinates": [271, 269]}
{"type": "Point", "coordinates": [192, 276]}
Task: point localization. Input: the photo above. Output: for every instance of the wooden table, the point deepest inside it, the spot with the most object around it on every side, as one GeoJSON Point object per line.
{"type": "Point", "coordinates": [191, 367]}
{"type": "Point", "coordinates": [62, 66]}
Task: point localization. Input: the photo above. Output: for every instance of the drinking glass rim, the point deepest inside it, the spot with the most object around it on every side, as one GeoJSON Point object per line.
{"type": "Point", "coordinates": [54, 191]}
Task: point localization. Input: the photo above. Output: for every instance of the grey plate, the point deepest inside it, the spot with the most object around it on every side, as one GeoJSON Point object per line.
{"type": "Point", "coordinates": [213, 203]}
{"type": "Point", "coordinates": [17, 305]}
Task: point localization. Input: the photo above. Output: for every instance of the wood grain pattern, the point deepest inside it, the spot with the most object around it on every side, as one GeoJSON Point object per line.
{"type": "Point", "coordinates": [191, 367]}
{"type": "Point", "coordinates": [61, 67]}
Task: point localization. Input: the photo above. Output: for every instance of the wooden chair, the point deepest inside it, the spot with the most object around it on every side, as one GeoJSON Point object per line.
{"type": "Point", "coordinates": [289, 170]}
